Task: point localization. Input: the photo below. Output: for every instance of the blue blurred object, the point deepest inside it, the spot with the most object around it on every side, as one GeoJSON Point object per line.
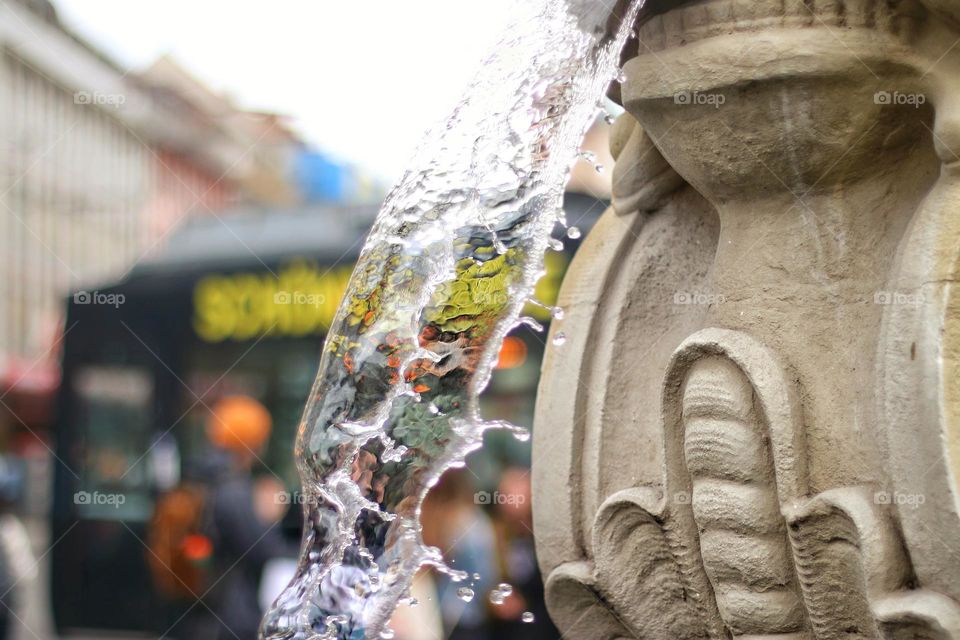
{"type": "Point", "coordinates": [321, 179]}
{"type": "Point", "coordinates": [12, 480]}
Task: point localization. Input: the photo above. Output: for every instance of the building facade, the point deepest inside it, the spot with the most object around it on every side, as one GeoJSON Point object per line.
{"type": "Point", "coordinates": [97, 166]}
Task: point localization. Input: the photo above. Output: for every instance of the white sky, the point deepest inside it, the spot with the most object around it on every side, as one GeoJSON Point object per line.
{"type": "Point", "coordinates": [362, 79]}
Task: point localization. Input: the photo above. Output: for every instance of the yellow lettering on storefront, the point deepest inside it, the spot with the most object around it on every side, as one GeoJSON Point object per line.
{"type": "Point", "coordinates": [301, 300]}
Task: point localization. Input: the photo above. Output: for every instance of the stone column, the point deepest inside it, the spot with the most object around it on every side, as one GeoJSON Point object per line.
{"type": "Point", "coordinates": [753, 428]}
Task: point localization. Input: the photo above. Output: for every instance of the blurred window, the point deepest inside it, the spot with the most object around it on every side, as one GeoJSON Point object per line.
{"type": "Point", "coordinates": [114, 415]}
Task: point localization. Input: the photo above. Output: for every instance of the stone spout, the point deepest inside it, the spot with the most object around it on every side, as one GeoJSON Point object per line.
{"type": "Point", "coordinates": [753, 428]}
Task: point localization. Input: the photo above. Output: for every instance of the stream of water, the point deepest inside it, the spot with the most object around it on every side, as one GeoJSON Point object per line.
{"type": "Point", "coordinates": [451, 261]}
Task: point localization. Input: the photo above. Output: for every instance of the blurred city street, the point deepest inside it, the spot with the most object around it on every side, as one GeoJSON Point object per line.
{"type": "Point", "coordinates": [180, 212]}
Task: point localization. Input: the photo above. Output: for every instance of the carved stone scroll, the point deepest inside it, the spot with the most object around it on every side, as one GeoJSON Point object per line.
{"type": "Point", "coordinates": [733, 545]}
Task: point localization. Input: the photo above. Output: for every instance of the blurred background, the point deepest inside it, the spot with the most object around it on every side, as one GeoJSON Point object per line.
{"type": "Point", "coordinates": [184, 190]}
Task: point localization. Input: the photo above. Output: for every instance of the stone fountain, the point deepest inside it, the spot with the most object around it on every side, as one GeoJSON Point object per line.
{"type": "Point", "coordinates": [753, 428]}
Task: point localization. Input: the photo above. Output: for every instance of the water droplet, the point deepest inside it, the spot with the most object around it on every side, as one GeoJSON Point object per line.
{"type": "Point", "coordinates": [557, 313]}
{"type": "Point", "coordinates": [413, 602]}
{"type": "Point", "coordinates": [556, 244]}
{"type": "Point", "coordinates": [386, 634]}
{"type": "Point", "coordinates": [621, 77]}
{"type": "Point", "coordinates": [573, 233]}
{"type": "Point", "coordinates": [476, 576]}
{"type": "Point", "coordinates": [527, 617]}
{"type": "Point", "coordinates": [588, 156]}
{"type": "Point", "coordinates": [432, 408]}
{"type": "Point", "coordinates": [633, 34]}
{"type": "Point", "coordinates": [496, 598]}
{"type": "Point", "coordinates": [609, 118]}
{"type": "Point", "coordinates": [559, 338]}
{"type": "Point", "coordinates": [505, 588]}
{"type": "Point", "coordinates": [465, 593]}
{"type": "Point", "coordinates": [598, 168]}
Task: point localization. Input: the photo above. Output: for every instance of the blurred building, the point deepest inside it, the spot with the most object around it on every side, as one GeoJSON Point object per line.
{"type": "Point", "coordinates": [97, 166]}
{"type": "Point", "coordinates": [209, 154]}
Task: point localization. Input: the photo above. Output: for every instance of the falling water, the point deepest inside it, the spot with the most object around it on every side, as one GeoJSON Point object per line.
{"type": "Point", "coordinates": [446, 271]}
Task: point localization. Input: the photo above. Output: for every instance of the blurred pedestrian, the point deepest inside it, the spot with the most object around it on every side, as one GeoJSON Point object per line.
{"type": "Point", "coordinates": [420, 618]}
{"type": "Point", "coordinates": [211, 537]}
{"type": "Point", "coordinates": [454, 523]}
{"type": "Point", "coordinates": [244, 528]}
{"type": "Point", "coordinates": [18, 569]}
{"type": "Point", "coordinates": [523, 614]}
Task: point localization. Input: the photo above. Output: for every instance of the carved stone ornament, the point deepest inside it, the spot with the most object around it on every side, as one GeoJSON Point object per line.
{"type": "Point", "coordinates": [753, 427]}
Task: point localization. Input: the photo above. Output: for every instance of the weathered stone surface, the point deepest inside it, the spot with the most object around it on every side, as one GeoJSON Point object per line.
{"type": "Point", "coordinates": [753, 428]}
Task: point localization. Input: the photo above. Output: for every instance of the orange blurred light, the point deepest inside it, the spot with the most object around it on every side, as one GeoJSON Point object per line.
{"type": "Point", "coordinates": [197, 547]}
{"type": "Point", "coordinates": [513, 353]}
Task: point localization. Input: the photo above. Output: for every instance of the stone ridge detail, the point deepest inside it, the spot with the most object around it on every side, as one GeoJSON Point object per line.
{"type": "Point", "coordinates": [742, 536]}
{"type": "Point", "coordinates": [698, 21]}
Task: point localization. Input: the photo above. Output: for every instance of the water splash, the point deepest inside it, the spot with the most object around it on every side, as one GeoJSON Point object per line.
{"type": "Point", "coordinates": [453, 257]}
